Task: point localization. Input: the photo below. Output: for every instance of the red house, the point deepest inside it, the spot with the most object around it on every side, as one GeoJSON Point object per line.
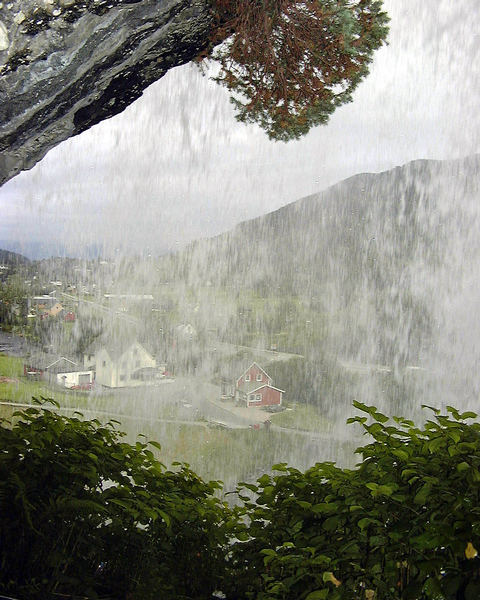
{"type": "Point", "coordinates": [254, 388]}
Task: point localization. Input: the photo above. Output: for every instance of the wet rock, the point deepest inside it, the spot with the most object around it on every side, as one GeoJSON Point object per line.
{"type": "Point", "coordinates": [65, 66]}
{"type": "Point", "coordinates": [3, 37]}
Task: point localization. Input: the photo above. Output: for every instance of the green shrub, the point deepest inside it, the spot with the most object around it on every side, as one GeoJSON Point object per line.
{"type": "Point", "coordinates": [404, 524]}
{"type": "Point", "coordinates": [84, 513]}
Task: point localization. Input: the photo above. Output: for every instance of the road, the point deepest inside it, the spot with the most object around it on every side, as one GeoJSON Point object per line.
{"type": "Point", "coordinates": [111, 311]}
{"type": "Point", "coordinates": [193, 397]}
{"type": "Point", "coordinates": [270, 355]}
{"type": "Point", "coordinates": [12, 344]}
{"type": "Point", "coordinates": [274, 355]}
{"type": "Point", "coordinates": [104, 413]}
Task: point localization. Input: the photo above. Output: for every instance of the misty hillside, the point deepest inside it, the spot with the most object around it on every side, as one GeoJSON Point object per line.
{"type": "Point", "coordinates": [340, 231]}
{"type": "Point", "coordinates": [8, 258]}
{"type": "Point", "coordinates": [386, 260]}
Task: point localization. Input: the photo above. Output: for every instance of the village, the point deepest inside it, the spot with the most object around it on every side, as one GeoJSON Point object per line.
{"type": "Point", "coordinates": [78, 338]}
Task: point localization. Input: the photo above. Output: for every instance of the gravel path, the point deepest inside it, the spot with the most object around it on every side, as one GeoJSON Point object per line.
{"type": "Point", "coordinates": [12, 344]}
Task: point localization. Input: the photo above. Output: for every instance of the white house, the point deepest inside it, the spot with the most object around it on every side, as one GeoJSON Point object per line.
{"type": "Point", "coordinates": [126, 365]}
{"type": "Point", "coordinates": [60, 370]}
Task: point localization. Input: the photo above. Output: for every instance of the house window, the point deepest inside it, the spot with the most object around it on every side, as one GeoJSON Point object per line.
{"type": "Point", "coordinates": [251, 398]}
{"type": "Point", "coordinates": [259, 377]}
{"type": "Point", "coordinates": [247, 377]}
{"type": "Point", "coordinates": [258, 398]}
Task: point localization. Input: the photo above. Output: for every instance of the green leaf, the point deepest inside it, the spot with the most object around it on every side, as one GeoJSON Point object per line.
{"type": "Point", "coordinates": [378, 540]}
{"type": "Point", "coordinates": [155, 444]}
{"type": "Point", "coordinates": [365, 522]}
{"type": "Point", "coordinates": [435, 410]}
{"type": "Point", "coordinates": [363, 407]}
{"type": "Point", "coordinates": [422, 495]}
{"type": "Point", "coordinates": [468, 415]}
{"type": "Point", "coordinates": [264, 480]}
{"type": "Point", "coordinates": [325, 507]}
{"type": "Point", "coordinates": [165, 517]}
{"type": "Point", "coordinates": [331, 523]}
{"type": "Point", "coordinates": [380, 417]}
{"type": "Point", "coordinates": [454, 435]}
{"type": "Point", "coordinates": [386, 490]}
{"type": "Point", "coordinates": [122, 503]}
{"type": "Point", "coordinates": [360, 420]}
{"type": "Point", "coordinates": [401, 454]}
{"type": "Point", "coordinates": [317, 595]}
{"type": "Point", "coordinates": [435, 444]}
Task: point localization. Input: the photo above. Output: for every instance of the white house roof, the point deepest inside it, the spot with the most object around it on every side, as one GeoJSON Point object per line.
{"type": "Point", "coordinates": [52, 363]}
{"type": "Point", "coordinates": [116, 349]}
{"type": "Point", "coordinates": [59, 360]}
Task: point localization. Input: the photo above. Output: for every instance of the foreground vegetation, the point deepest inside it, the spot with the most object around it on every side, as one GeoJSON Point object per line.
{"type": "Point", "coordinates": [85, 514]}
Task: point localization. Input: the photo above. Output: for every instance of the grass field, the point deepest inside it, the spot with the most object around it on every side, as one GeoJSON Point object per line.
{"type": "Point", "coordinates": [303, 417]}
{"type": "Point", "coordinates": [234, 455]}
{"type": "Point", "coordinates": [11, 366]}
{"type": "Point", "coordinates": [20, 389]}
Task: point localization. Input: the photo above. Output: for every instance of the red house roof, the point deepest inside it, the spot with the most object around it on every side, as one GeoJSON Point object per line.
{"type": "Point", "coordinates": [254, 364]}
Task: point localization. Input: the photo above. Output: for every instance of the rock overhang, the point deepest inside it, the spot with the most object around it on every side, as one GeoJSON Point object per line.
{"type": "Point", "coordinates": [67, 65]}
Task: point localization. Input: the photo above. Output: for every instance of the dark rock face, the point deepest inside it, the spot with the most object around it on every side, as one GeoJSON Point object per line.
{"type": "Point", "coordinates": [66, 65]}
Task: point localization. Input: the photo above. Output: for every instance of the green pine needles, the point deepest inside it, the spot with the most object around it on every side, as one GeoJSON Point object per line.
{"type": "Point", "coordinates": [290, 64]}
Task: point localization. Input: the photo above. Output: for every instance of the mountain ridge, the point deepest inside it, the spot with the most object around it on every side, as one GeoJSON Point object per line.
{"type": "Point", "coordinates": [385, 255]}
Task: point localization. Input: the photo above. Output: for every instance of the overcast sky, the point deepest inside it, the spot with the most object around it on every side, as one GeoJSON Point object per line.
{"type": "Point", "coordinates": [176, 166]}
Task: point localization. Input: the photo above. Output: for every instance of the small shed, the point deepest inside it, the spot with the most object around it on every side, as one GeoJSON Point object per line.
{"type": "Point", "coordinates": [59, 370]}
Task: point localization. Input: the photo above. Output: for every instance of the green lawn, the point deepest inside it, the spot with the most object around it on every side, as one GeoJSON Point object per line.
{"type": "Point", "coordinates": [10, 366]}
{"type": "Point", "coordinates": [301, 416]}
{"type": "Point", "coordinates": [22, 389]}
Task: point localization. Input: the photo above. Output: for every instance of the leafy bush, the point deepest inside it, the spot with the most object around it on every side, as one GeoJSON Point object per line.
{"type": "Point", "coordinates": [290, 64]}
{"type": "Point", "coordinates": [84, 513]}
{"type": "Point", "coordinates": [404, 524]}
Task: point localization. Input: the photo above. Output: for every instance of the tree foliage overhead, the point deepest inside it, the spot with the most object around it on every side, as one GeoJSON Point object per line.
{"type": "Point", "coordinates": [290, 64]}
